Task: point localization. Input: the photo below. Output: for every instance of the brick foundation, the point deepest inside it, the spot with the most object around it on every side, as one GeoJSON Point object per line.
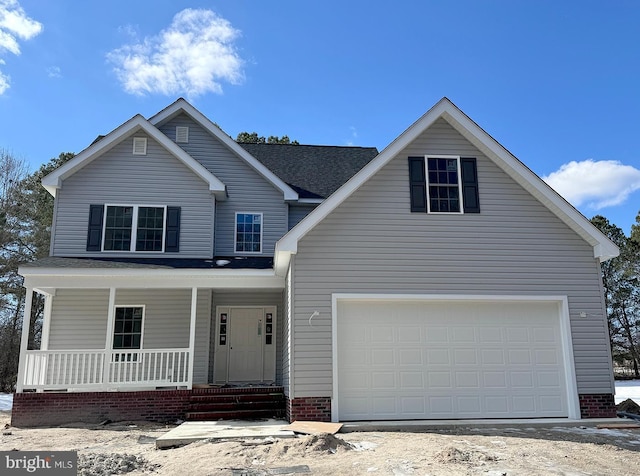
{"type": "Point", "coordinates": [51, 409]}
{"type": "Point", "coordinates": [600, 405]}
{"type": "Point", "coordinates": [309, 409]}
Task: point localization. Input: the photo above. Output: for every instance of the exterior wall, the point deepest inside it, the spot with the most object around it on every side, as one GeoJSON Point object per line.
{"type": "Point", "coordinates": [598, 406]}
{"type": "Point", "coordinates": [51, 409]}
{"type": "Point", "coordinates": [119, 177]}
{"type": "Point", "coordinates": [373, 243]}
{"type": "Point", "coordinates": [309, 409]}
{"type": "Point", "coordinates": [79, 320]}
{"type": "Point", "coordinates": [286, 335]}
{"type": "Point", "coordinates": [298, 212]}
{"type": "Point", "coordinates": [249, 298]}
{"type": "Point", "coordinates": [247, 190]}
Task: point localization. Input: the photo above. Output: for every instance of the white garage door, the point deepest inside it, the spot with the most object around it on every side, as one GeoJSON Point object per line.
{"type": "Point", "coordinates": [400, 360]}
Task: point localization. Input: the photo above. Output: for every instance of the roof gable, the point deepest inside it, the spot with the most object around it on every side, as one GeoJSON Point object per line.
{"type": "Point", "coordinates": [53, 181]}
{"type": "Point", "coordinates": [182, 106]}
{"type": "Point", "coordinates": [603, 248]}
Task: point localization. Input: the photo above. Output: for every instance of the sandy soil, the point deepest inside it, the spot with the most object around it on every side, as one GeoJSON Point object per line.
{"type": "Point", "coordinates": [126, 448]}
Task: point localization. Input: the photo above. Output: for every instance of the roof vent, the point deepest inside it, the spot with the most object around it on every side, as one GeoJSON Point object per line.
{"type": "Point", "coordinates": [139, 146]}
{"type": "Point", "coordinates": [182, 134]}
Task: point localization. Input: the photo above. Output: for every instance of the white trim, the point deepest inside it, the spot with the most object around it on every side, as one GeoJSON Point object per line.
{"type": "Point", "coordinates": [134, 227]}
{"type": "Point", "coordinates": [113, 324]}
{"type": "Point", "coordinates": [46, 321]}
{"type": "Point", "coordinates": [24, 340]}
{"type": "Point", "coordinates": [182, 105]}
{"type": "Point", "coordinates": [53, 181]}
{"type": "Point", "coordinates": [313, 201]}
{"type": "Point", "coordinates": [573, 402]}
{"type": "Point", "coordinates": [192, 335]}
{"type": "Point", "coordinates": [235, 231]}
{"type": "Point", "coordinates": [603, 248]}
{"type": "Point", "coordinates": [139, 146]}
{"type": "Point", "coordinates": [426, 178]}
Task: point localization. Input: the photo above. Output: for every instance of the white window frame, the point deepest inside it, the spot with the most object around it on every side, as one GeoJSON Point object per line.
{"type": "Point", "coordinates": [113, 330]}
{"type": "Point", "coordinates": [459, 171]}
{"type": "Point", "coordinates": [134, 227]}
{"type": "Point", "coordinates": [140, 140]}
{"type": "Point", "coordinates": [235, 231]}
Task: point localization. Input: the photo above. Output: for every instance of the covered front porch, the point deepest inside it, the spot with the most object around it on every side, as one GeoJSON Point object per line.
{"type": "Point", "coordinates": [144, 328]}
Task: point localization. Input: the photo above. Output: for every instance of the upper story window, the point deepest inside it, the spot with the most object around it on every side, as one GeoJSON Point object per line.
{"type": "Point", "coordinates": [146, 235]}
{"type": "Point", "coordinates": [443, 184]}
{"type": "Point", "coordinates": [127, 228]}
{"type": "Point", "coordinates": [248, 232]}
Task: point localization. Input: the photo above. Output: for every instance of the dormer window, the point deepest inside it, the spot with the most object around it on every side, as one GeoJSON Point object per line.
{"type": "Point", "coordinates": [182, 134]}
{"type": "Point", "coordinates": [139, 146]}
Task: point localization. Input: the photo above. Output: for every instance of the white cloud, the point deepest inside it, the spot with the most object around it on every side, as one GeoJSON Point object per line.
{"type": "Point", "coordinates": [14, 25]}
{"type": "Point", "coordinates": [595, 184]}
{"type": "Point", "coordinates": [54, 72]}
{"type": "Point", "coordinates": [194, 55]}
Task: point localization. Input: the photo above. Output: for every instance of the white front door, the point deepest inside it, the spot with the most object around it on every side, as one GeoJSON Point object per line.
{"type": "Point", "coordinates": [245, 338]}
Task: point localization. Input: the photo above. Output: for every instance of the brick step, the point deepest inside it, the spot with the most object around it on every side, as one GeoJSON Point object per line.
{"type": "Point", "coordinates": [235, 415]}
{"type": "Point", "coordinates": [237, 390]}
{"type": "Point", "coordinates": [240, 397]}
{"type": "Point", "coordinates": [223, 406]}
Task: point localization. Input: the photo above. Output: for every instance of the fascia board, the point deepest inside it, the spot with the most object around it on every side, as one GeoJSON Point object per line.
{"type": "Point", "coordinates": [183, 106]}
{"type": "Point", "coordinates": [53, 181]}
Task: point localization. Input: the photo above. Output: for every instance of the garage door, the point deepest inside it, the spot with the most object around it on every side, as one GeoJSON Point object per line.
{"type": "Point", "coordinates": [401, 360]}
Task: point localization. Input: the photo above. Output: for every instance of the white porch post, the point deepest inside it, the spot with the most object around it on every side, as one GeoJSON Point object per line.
{"type": "Point", "coordinates": [46, 322]}
{"type": "Point", "coordinates": [108, 343]}
{"type": "Point", "coordinates": [24, 341]}
{"type": "Point", "coordinates": [192, 335]}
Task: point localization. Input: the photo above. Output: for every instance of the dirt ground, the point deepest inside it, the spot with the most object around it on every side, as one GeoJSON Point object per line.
{"type": "Point", "coordinates": [128, 448]}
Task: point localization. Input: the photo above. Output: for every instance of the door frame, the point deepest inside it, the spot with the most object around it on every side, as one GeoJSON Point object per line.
{"type": "Point", "coordinates": [222, 350]}
{"type": "Point", "coordinates": [573, 404]}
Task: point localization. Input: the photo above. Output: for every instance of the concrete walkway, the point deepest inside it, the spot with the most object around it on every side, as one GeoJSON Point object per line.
{"type": "Point", "coordinates": [191, 431]}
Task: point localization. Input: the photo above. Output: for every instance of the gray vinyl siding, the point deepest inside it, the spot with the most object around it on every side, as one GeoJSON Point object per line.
{"type": "Point", "coordinates": [79, 320]}
{"type": "Point", "coordinates": [297, 212]}
{"type": "Point", "coordinates": [515, 246]}
{"type": "Point", "coordinates": [253, 298]}
{"type": "Point", "coordinates": [247, 190]}
{"type": "Point", "coordinates": [119, 177]}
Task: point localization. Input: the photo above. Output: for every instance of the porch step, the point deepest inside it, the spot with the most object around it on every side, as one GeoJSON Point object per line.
{"type": "Point", "coordinates": [236, 403]}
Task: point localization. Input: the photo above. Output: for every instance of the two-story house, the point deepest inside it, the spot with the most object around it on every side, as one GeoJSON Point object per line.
{"type": "Point", "coordinates": [438, 279]}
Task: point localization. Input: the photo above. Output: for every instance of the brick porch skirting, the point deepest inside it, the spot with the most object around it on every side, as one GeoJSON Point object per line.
{"type": "Point", "coordinates": [600, 405]}
{"type": "Point", "coordinates": [50, 409]}
{"type": "Point", "coordinates": [309, 409]}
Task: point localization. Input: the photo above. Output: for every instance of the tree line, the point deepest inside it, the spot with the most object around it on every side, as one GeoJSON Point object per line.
{"type": "Point", "coordinates": [26, 212]}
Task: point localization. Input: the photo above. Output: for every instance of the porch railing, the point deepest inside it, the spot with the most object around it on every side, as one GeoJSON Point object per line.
{"type": "Point", "coordinates": [105, 370]}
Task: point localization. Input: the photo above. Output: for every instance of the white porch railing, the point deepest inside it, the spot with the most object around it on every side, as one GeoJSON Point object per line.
{"type": "Point", "coordinates": [85, 369]}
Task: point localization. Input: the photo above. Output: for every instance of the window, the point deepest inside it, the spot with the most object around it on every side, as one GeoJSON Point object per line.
{"type": "Point", "coordinates": [127, 327]}
{"type": "Point", "coordinates": [443, 184]}
{"type": "Point", "coordinates": [129, 228]}
{"type": "Point", "coordinates": [248, 232]}
{"type": "Point", "coordinates": [139, 146]}
{"type": "Point", "coordinates": [121, 235]}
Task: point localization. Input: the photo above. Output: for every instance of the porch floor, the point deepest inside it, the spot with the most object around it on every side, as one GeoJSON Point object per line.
{"type": "Point", "coordinates": [191, 431]}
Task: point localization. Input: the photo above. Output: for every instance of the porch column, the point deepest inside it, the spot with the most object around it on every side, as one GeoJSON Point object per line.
{"type": "Point", "coordinates": [108, 343]}
{"type": "Point", "coordinates": [24, 341]}
{"type": "Point", "coordinates": [192, 335]}
{"type": "Point", "coordinates": [46, 322]}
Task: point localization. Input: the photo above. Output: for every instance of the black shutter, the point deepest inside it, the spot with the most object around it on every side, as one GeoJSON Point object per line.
{"type": "Point", "coordinates": [470, 197]}
{"type": "Point", "coordinates": [94, 235]}
{"type": "Point", "coordinates": [172, 238]}
{"type": "Point", "coordinates": [417, 184]}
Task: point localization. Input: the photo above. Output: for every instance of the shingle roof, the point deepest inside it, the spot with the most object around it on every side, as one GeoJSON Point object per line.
{"type": "Point", "coordinates": [218, 262]}
{"type": "Point", "coordinates": [314, 171]}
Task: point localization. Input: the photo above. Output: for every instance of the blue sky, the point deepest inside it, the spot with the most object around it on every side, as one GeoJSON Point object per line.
{"type": "Point", "coordinates": [557, 83]}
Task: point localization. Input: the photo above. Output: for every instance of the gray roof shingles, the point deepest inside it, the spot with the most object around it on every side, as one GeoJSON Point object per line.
{"type": "Point", "coordinates": [314, 171]}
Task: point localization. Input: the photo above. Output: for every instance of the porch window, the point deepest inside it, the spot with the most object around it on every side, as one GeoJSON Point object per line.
{"type": "Point", "coordinates": [121, 235]}
{"type": "Point", "coordinates": [248, 232]}
{"type": "Point", "coordinates": [127, 330]}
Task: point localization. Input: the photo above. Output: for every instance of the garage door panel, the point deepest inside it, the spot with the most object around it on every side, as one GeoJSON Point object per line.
{"type": "Point", "coordinates": [491, 360]}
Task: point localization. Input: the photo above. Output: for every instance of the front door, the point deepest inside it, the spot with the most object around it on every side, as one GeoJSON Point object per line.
{"type": "Point", "coordinates": [245, 338]}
